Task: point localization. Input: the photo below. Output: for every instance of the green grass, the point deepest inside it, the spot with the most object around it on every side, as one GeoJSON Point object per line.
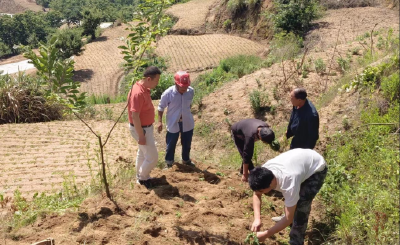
{"type": "Point", "coordinates": [361, 189]}
{"type": "Point", "coordinates": [229, 69]}
{"type": "Point", "coordinates": [105, 99]}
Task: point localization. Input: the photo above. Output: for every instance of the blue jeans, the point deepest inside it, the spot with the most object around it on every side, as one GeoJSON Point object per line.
{"type": "Point", "coordinates": [172, 139]}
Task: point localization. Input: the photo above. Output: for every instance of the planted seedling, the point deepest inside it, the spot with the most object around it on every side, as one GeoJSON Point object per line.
{"type": "Point", "coordinates": [252, 239]}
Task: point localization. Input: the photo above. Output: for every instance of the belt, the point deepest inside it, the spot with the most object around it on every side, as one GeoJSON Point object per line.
{"type": "Point", "coordinates": [145, 126]}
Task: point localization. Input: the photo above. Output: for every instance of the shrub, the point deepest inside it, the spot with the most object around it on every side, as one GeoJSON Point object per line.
{"type": "Point", "coordinates": [284, 46]}
{"type": "Point", "coordinates": [4, 50]}
{"type": "Point", "coordinates": [235, 5]}
{"type": "Point", "coordinates": [23, 101]}
{"type": "Point", "coordinates": [227, 24]}
{"type": "Point", "coordinates": [320, 66]}
{"type": "Point", "coordinates": [166, 81]}
{"type": "Point", "coordinates": [344, 64]}
{"type": "Point", "coordinates": [258, 100]}
{"type": "Point", "coordinates": [91, 20]}
{"type": "Point", "coordinates": [294, 16]}
{"type": "Point", "coordinates": [69, 42]}
{"type": "Point", "coordinates": [241, 64]}
{"type": "Point", "coordinates": [391, 87]}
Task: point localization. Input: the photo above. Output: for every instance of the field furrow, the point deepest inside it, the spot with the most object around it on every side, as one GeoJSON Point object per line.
{"type": "Point", "coordinates": [37, 157]}
{"type": "Point", "coordinates": [195, 53]}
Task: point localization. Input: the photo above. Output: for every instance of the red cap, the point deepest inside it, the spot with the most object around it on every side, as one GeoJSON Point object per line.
{"type": "Point", "coordinates": [182, 79]}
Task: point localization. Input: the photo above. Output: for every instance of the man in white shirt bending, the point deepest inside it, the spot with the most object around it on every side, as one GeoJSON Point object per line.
{"type": "Point", "coordinates": [178, 98]}
{"type": "Point", "coordinates": [299, 175]}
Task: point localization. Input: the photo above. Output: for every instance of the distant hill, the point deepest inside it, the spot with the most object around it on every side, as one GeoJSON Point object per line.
{"type": "Point", "coordinates": [18, 6]}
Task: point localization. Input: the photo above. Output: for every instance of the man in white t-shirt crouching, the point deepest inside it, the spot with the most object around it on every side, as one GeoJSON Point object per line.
{"type": "Point", "coordinates": [298, 174]}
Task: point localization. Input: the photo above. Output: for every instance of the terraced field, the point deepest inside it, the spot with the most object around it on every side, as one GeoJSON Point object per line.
{"type": "Point", "coordinates": [99, 66]}
{"type": "Point", "coordinates": [39, 157]}
{"type": "Point", "coordinates": [197, 53]}
{"type": "Point", "coordinates": [192, 16]}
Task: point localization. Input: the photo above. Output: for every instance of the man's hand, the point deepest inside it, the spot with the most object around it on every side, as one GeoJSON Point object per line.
{"type": "Point", "coordinates": [142, 140]}
{"type": "Point", "coordinates": [262, 235]}
{"type": "Point", "coordinates": [256, 225]}
{"type": "Point", "coordinates": [245, 177]}
{"type": "Point", "coordinates": [159, 127]}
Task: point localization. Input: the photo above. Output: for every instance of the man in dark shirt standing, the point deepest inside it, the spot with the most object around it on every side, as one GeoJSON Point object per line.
{"type": "Point", "coordinates": [304, 121]}
{"type": "Point", "coordinates": [244, 134]}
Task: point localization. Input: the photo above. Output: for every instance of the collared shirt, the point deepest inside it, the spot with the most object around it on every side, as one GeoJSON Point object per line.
{"type": "Point", "coordinates": [178, 107]}
{"type": "Point", "coordinates": [140, 101]}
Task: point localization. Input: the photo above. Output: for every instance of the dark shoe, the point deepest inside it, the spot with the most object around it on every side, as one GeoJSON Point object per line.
{"type": "Point", "coordinates": [168, 164]}
{"type": "Point", "coordinates": [146, 183]}
{"type": "Point", "coordinates": [188, 163]}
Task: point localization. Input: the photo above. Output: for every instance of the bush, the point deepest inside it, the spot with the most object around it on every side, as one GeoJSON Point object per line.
{"type": "Point", "coordinates": [241, 65]}
{"type": "Point", "coordinates": [91, 20]}
{"type": "Point", "coordinates": [344, 64]}
{"type": "Point", "coordinates": [391, 87]}
{"type": "Point", "coordinates": [4, 50]}
{"type": "Point", "coordinates": [320, 66]}
{"type": "Point", "coordinates": [166, 81]}
{"type": "Point", "coordinates": [69, 41]}
{"type": "Point", "coordinates": [23, 101]}
{"type": "Point", "coordinates": [284, 46]}
{"type": "Point", "coordinates": [235, 6]}
{"type": "Point", "coordinates": [258, 100]}
{"type": "Point", "coordinates": [294, 15]}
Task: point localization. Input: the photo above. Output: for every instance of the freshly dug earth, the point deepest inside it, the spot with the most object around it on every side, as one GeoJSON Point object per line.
{"type": "Point", "coordinates": [189, 205]}
{"type": "Point", "coordinates": [197, 53]}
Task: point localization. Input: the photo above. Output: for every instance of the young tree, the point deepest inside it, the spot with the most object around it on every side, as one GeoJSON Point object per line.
{"type": "Point", "coordinates": [91, 20]}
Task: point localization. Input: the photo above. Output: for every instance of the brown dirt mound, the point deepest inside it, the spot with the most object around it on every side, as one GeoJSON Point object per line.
{"type": "Point", "coordinates": [99, 66]}
{"type": "Point", "coordinates": [196, 53]}
{"type": "Point", "coordinates": [192, 16]}
{"type": "Point", "coordinates": [196, 212]}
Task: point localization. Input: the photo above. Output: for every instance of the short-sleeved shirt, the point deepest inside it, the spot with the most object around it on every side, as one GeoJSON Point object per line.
{"type": "Point", "coordinates": [178, 108]}
{"type": "Point", "coordinates": [140, 101]}
{"type": "Point", "coordinates": [292, 168]}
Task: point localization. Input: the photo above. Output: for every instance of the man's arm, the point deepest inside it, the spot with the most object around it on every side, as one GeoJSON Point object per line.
{"type": "Point", "coordinates": [282, 224]}
{"type": "Point", "coordinates": [161, 107]}
{"type": "Point", "coordinates": [138, 127]}
{"type": "Point", "coordinates": [257, 212]}
{"type": "Point", "coordinates": [247, 156]}
{"type": "Point", "coordinates": [312, 129]}
{"type": "Point", "coordinates": [289, 132]}
{"type": "Point", "coordinates": [160, 115]}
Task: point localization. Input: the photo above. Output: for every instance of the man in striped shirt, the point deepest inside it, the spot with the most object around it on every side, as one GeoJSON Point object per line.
{"type": "Point", "coordinates": [178, 98]}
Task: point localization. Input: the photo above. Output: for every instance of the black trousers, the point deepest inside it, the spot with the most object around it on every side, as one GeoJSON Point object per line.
{"type": "Point", "coordinates": [240, 146]}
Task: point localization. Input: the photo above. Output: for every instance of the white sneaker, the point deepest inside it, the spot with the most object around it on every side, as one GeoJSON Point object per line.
{"type": "Point", "coordinates": [279, 218]}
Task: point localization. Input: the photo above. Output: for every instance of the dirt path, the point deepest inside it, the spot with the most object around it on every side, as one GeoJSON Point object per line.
{"type": "Point", "coordinates": [99, 66]}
